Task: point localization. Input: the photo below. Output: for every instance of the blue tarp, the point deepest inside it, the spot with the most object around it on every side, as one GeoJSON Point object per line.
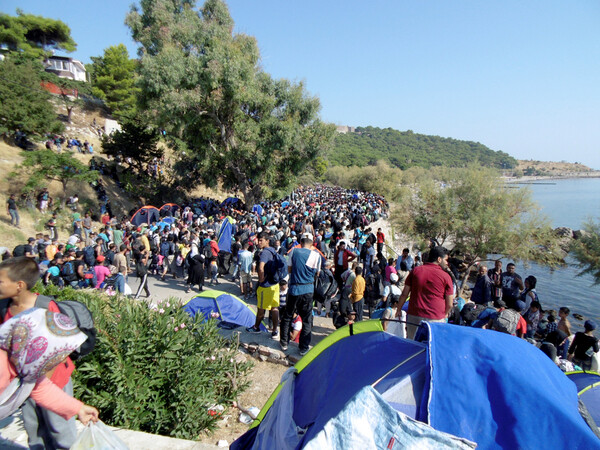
{"type": "Point", "coordinates": [232, 311]}
{"type": "Point", "coordinates": [258, 209]}
{"type": "Point", "coordinates": [224, 236]}
{"type": "Point", "coordinates": [500, 391]}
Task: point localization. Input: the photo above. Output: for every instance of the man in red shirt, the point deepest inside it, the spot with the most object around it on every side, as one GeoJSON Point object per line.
{"type": "Point", "coordinates": [431, 292]}
{"type": "Point", "coordinates": [380, 240]}
{"type": "Point", "coordinates": [341, 258]}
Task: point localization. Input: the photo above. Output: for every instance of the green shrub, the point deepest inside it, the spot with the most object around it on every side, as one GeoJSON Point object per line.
{"type": "Point", "coordinates": [154, 369]}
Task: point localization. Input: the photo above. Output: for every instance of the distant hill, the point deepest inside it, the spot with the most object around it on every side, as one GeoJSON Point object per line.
{"type": "Point", "coordinates": [404, 149]}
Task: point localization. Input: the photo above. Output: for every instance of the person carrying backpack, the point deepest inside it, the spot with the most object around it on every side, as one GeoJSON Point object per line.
{"type": "Point", "coordinates": [267, 293]}
{"type": "Point", "coordinates": [304, 265]}
{"type": "Point", "coordinates": [45, 429]}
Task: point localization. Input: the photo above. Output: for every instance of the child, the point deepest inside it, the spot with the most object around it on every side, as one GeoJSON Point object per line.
{"type": "Point", "coordinates": [44, 428]}
{"type": "Point", "coordinates": [532, 317]}
{"type": "Point", "coordinates": [565, 326]}
{"type": "Point", "coordinates": [296, 328]}
{"type": "Point", "coordinates": [563, 323]}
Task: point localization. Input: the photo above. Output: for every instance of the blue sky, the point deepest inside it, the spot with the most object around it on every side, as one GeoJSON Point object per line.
{"type": "Point", "coordinates": [522, 77]}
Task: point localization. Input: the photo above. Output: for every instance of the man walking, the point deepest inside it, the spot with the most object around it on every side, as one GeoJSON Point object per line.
{"type": "Point", "coordinates": [11, 207]}
{"type": "Point", "coordinates": [304, 265]}
{"type": "Point", "coordinates": [431, 292]}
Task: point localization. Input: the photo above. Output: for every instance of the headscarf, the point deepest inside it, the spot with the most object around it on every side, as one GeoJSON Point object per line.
{"type": "Point", "coordinates": [36, 341]}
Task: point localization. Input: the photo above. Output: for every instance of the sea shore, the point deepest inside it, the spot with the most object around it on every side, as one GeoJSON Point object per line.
{"type": "Point", "coordinates": [556, 176]}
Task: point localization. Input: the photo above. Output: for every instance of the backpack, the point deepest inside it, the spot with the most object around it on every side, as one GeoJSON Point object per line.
{"type": "Point", "coordinates": [89, 255]}
{"type": "Point", "coordinates": [172, 248]}
{"type": "Point", "coordinates": [77, 311]}
{"type": "Point", "coordinates": [276, 269]}
{"type": "Point", "coordinates": [164, 249]}
{"type": "Point", "coordinates": [68, 271]}
{"type": "Point", "coordinates": [506, 321]}
{"type": "Point", "coordinates": [207, 252]}
{"type": "Point", "coordinates": [19, 250]}
{"type": "Point", "coordinates": [471, 311]}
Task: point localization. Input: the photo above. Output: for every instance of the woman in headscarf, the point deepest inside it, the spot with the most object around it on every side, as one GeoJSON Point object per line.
{"type": "Point", "coordinates": [32, 344]}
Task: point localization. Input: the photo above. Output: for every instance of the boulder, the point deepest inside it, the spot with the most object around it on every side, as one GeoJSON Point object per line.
{"type": "Point", "coordinates": [564, 232]}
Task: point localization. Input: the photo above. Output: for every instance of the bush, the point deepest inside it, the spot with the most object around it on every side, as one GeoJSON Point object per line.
{"type": "Point", "coordinates": [154, 369]}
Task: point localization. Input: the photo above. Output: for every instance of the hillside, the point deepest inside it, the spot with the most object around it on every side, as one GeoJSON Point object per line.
{"type": "Point", "coordinates": [404, 149]}
{"type": "Point", "coordinates": [533, 168]}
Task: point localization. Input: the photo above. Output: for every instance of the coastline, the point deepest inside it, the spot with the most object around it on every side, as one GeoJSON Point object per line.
{"type": "Point", "coordinates": [560, 176]}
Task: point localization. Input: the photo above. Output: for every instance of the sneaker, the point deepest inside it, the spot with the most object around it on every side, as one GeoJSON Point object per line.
{"type": "Point", "coordinates": [304, 352]}
{"type": "Point", "coordinates": [252, 330]}
{"type": "Point", "coordinates": [275, 335]}
{"type": "Point", "coordinates": [283, 346]}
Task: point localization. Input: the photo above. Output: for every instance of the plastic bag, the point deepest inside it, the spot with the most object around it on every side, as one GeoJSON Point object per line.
{"type": "Point", "coordinates": [127, 290]}
{"type": "Point", "coordinates": [97, 436]}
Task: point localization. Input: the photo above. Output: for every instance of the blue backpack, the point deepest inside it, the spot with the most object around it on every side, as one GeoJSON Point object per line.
{"type": "Point", "coordinates": [276, 269]}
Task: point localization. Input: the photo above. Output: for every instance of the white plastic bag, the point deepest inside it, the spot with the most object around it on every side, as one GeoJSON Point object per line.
{"type": "Point", "coordinates": [127, 290]}
{"type": "Point", "coordinates": [97, 436]}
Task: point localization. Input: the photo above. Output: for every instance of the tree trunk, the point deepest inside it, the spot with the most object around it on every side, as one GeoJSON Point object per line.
{"type": "Point", "coordinates": [69, 112]}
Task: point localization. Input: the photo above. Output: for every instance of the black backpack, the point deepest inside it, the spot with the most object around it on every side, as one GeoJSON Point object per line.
{"type": "Point", "coordinates": [207, 253]}
{"type": "Point", "coordinates": [68, 271]}
{"type": "Point", "coordinates": [77, 312]}
{"type": "Point", "coordinates": [89, 255]}
{"type": "Point", "coordinates": [19, 250]}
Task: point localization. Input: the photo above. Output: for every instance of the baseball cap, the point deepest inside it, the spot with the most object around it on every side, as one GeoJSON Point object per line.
{"type": "Point", "coordinates": [590, 325]}
{"type": "Point", "coordinates": [100, 258]}
{"type": "Point", "coordinates": [394, 277]}
{"type": "Point", "coordinates": [307, 236]}
{"type": "Point", "coordinates": [31, 239]}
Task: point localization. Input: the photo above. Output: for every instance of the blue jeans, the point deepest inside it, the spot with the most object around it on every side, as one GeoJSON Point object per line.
{"type": "Point", "coordinates": [120, 283]}
{"type": "Point", "coordinates": [14, 217]}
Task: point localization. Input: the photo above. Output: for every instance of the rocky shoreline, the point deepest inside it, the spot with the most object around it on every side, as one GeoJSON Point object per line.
{"type": "Point", "coordinates": [560, 176]}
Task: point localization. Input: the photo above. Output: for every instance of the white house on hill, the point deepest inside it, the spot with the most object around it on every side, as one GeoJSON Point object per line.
{"type": "Point", "coordinates": [66, 67]}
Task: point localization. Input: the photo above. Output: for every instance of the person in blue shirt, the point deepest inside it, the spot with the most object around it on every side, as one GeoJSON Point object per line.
{"type": "Point", "coordinates": [406, 259]}
{"type": "Point", "coordinates": [304, 265]}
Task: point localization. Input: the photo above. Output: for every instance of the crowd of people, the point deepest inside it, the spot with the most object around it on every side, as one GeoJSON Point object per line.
{"type": "Point", "coordinates": [315, 252]}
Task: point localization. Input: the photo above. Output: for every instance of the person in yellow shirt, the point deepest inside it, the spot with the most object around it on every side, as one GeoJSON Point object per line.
{"type": "Point", "coordinates": [357, 297]}
{"type": "Point", "coordinates": [51, 250]}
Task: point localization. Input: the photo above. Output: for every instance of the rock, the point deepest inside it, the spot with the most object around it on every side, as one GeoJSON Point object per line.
{"type": "Point", "coordinates": [264, 351]}
{"type": "Point", "coordinates": [263, 358]}
{"type": "Point", "coordinates": [222, 443]}
{"type": "Point", "coordinates": [240, 358]}
{"type": "Point", "coordinates": [578, 234]}
{"type": "Point", "coordinates": [252, 348]}
{"type": "Point", "coordinates": [564, 232]}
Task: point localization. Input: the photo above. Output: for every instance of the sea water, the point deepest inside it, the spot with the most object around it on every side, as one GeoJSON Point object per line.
{"type": "Point", "coordinates": [567, 203]}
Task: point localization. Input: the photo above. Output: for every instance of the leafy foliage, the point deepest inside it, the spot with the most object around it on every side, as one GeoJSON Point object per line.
{"type": "Point", "coordinates": [25, 105]}
{"type": "Point", "coordinates": [204, 86]}
{"type": "Point", "coordinates": [475, 213]}
{"type": "Point", "coordinates": [154, 369]}
{"type": "Point", "coordinates": [44, 165]}
{"type": "Point", "coordinates": [404, 149]}
{"type": "Point", "coordinates": [135, 140]}
{"type": "Point", "coordinates": [113, 81]}
{"type": "Point", "coordinates": [586, 250]}
{"type": "Point", "coordinates": [33, 35]}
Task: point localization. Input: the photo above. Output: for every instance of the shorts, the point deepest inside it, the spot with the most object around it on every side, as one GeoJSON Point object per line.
{"type": "Point", "coordinates": [267, 297]}
{"type": "Point", "coordinates": [246, 277]}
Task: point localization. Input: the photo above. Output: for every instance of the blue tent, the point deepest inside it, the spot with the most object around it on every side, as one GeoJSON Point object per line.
{"type": "Point", "coordinates": [483, 386]}
{"type": "Point", "coordinates": [224, 236]}
{"type": "Point", "coordinates": [258, 209]}
{"type": "Point", "coordinates": [285, 204]}
{"type": "Point", "coordinates": [588, 390]}
{"type": "Point", "coordinates": [229, 201]}
{"type": "Point", "coordinates": [145, 215]}
{"type": "Point", "coordinates": [231, 311]}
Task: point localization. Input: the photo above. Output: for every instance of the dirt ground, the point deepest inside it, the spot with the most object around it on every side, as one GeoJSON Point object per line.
{"type": "Point", "coordinates": [264, 378]}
